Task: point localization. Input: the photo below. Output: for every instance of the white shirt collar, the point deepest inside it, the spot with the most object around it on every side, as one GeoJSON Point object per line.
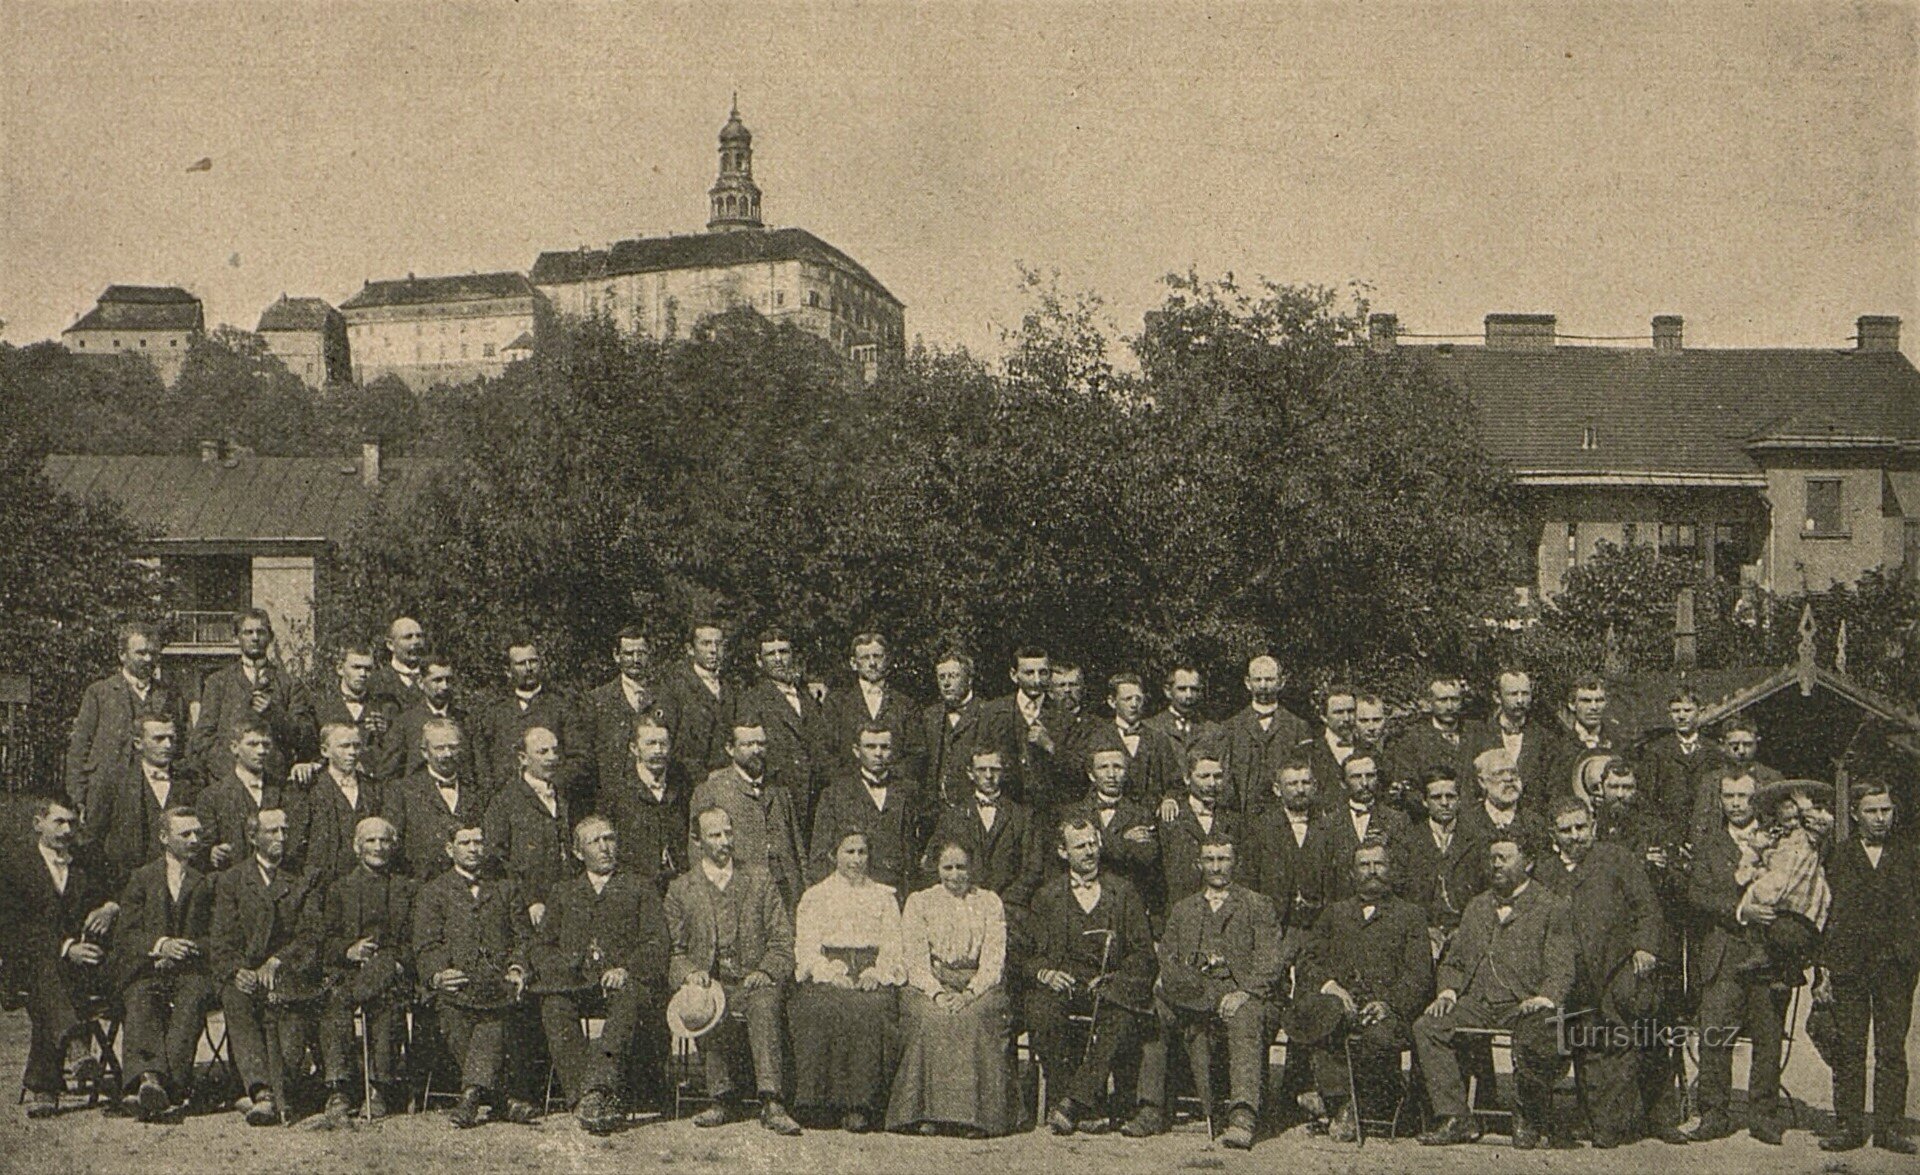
{"type": "Point", "coordinates": [717, 874]}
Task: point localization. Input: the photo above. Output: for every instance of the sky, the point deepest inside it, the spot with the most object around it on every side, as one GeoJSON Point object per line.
{"type": "Point", "coordinates": [1751, 167]}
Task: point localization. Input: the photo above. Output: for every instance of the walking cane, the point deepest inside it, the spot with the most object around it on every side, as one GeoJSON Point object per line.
{"type": "Point", "coordinates": [1099, 987]}
{"type": "Point", "coordinates": [1353, 1093]}
{"type": "Point", "coordinates": [276, 1067]}
{"type": "Point", "coordinates": [366, 1063]}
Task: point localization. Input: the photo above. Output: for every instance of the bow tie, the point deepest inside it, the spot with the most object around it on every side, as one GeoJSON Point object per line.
{"type": "Point", "coordinates": [159, 775]}
{"type": "Point", "coordinates": [63, 859]}
{"type": "Point", "coordinates": [1106, 805]}
{"type": "Point", "coordinates": [1075, 883]}
{"type": "Point", "coordinates": [984, 803]}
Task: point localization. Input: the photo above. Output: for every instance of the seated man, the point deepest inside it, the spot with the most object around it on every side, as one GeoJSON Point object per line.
{"type": "Point", "coordinates": [259, 959]}
{"type": "Point", "coordinates": [1510, 966]}
{"type": "Point", "coordinates": [600, 951]}
{"type": "Point", "coordinates": [470, 939]}
{"type": "Point", "coordinates": [364, 938]}
{"type": "Point", "coordinates": [729, 925]}
{"type": "Point", "coordinates": [159, 966]}
{"type": "Point", "coordinates": [1220, 970]}
{"type": "Point", "coordinates": [1093, 956]}
{"type": "Point", "coordinates": [1362, 978]}
{"type": "Point", "coordinates": [56, 927]}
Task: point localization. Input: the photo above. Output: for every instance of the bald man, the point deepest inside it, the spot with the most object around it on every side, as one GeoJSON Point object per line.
{"type": "Point", "coordinates": [398, 677]}
{"type": "Point", "coordinates": [364, 939]}
{"type": "Point", "coordinates": [1254, 742]}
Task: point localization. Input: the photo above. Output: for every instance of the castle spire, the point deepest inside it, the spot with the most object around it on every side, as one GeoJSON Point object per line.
{"type": "Point", "coordinates": [734, 198]}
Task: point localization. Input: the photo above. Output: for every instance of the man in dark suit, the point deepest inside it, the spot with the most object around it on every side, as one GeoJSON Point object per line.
{"type": "Point", "coordinates": [1441, 866]}
{"type": "Point", "coordinates": [1186, 689]}
{"type": "Point", "coordinates": [528, 824]}
{"type": "Point", "coordinates": [55, 918]}
{"type": "Point", "coordinates": [404, 755]}
{"type": "Point", "coordinates": [259, 960]}
{"type": "Point", "coordinates": [1258, 738]}
{"type": "Point", "coordinates": [1283, 857]}
{"type": "Point", "coordinates": [766, 833]}
{"type": "Point", "coordinates": [1220, 970]}
{"type": "Point", "coordinates": [649, 807]}
{"type": "Point", "coordinates": [952, 730]}
{"type": "Point", "coordinates": [320, 836]}
{"type": "Point", "coordinates": [798, 743]}
{"type": "Point", "coordinates": [121, 827]}
{"type": "Point", "coordinates": [1155, 770]}
{"type": "Point", "coordinates": [728, 925]}
{"type": "Point", "coordinates": [1502, 806]}
{"type": "Point", "coordinates": [352, 704]}
{"type": "Point", "coordinates": [249, 785]}
{"type": "Point", "coordinates": [1589, 730]}
{"type": "Point", "coordinates": [159, 966]}
{"type": "Point", "coordinates": [611, 710]}
{"type": "Point", "coordinates": [874, 698]}
{"type": "Point", "coordinates": [1733, 998]}
{"type": "Point", "coordinates": [1129, 830]}
{"type": "Point", "coordinates": [364, 937]}
{"type": "Point", "coordinates": [1028, 728]}
{"type": "Point", "coordinates": [1739, 755]}
{"type": "Point", "coordinates": [103, 730]}
{"type": "Point", "coordinates": [1532, 744]}
{"type": "Point", "coordinates": [441, 795]}
{"type": "Point", "coordinates": [254, 685]}
{"type": "Point", "coordinates": [601, 951]}
{"type": "Point", "coordinates": [397, 680]}
{"type": "Point", "coordinates": [530, 702]}
{"type": "Point", "coordinates": [1361, 817]}
{"type": "Point", "coordinates": [470, 942]}
{"type": "Point", "coordinates": [874, 799]}
{"type": "Point", "coordinates": [1438, 739]}
{"type": "Point", "coordinates": [1002, 840]}
{"type": "Point", "coordinates": [1511, 966]}
{"type": "Point", "coordinates": [1618, 936]}
{"type": "Point", "coordinates": [1362, 977]}
{"type": "Point", "coordinates": [696, 703]}
{"type": "Point", "coordinates": [1199, 815]}
{"type": "Point", "coordinates": [1330, 746]}
{"type": "Point", "coordinates": [1672, 762]}
{"type": "Point", "coordinates": [1871, 953]}
{"type": "Point", "coordinates": [1094, 954]}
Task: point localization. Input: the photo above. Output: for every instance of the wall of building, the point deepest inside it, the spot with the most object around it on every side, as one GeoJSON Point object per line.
{"type": "Point", "coordinates": [165, 349]}
{"type": "Point", "coordinates": [284, 585]}
{"type": "Point", "coordinates": [434, 344]}
{"type": "Point", "coordinates": [1572, 521]}
{"type": "Point", "coordinates": [1875, 500]}
{"type": "Point", "coordinates": [303, 351]}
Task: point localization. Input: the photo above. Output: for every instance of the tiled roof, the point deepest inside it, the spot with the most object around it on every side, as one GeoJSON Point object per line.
{"type": "Point", "coordinates": [414, 291]}
{"type": "Point", "coordinates": [296, 314]}
{"type": "Point", "coordinates": [1686, 412]}
{"type": "Point", "coordinates": [143, 308]}
{"type": "Point", "coordinates": [695, 251]}
{"type": "Point", "coordinates": [522, 342]}
{"type": "Point", "coordinates": [251, 499]}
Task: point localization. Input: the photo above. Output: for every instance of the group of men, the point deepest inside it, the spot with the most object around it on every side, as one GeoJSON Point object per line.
{"type": "Point", "coordinates": [310, 861]}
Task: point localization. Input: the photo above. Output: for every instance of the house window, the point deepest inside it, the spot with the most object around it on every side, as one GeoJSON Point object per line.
{"type": "Point", "coordinates": [813, 297]}
{"type": "Point", "coordinates": [486, 350]}
{"type": "Point", "coordinates": [1590, 437]}
{"type": "Point", "coordinates": [1679, 540]}
{"type": "Point", "coordinates": [1826, 508]}
{"type": "Point", "coordinates": [1573, 543]}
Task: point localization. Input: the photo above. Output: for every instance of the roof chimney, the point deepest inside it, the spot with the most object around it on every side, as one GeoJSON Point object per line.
{"type": "Point", "coordinates": [1666, 332]}
{"type": "Point", "coordinates": [1877, 332]}
{"type": "Point", "coordinates": [1520, 332]}
{"type": "Point", "coordinates": [1383, 331]}
{"type": "Point", "coordinates": [370, 463]}
{"type": "Point", "coordinates": [209, 451]}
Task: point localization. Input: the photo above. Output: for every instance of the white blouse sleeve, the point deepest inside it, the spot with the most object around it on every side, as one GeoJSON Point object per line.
{"type": "Point", "coordinates": [993, 943]}
{"type": "Point", "coordinates": [916, 943]}
{"type": "Point", "coordinates": [889, 967]}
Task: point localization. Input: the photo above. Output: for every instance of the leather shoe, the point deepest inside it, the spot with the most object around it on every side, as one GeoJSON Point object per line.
{"type": "Point", "coordinates": [263, 1111]}
{"type": "Point", "coordinates": [339, 1105]}
{"type": "Point", "coordinates": [466, 1115]}
{"type": "Point", "coordinates": [774, 1117]}
{"type": "Point", "coordinates": [520, 1113]}
{"type": "Point", "coordinates": [1346, 1125]}
{"type": "Point", "coordinates": [153, 1098]}
{"type": "Point", "coordinates": [376, 1105]}
{"type": "Point", "coordinates": [1146, 1122]}
{"type": "Point", "coordinates": [1845, 1140]}
{"type": "Point", "coordinates": [1712, 1128]}
{"type": "Point", "coordinates": [1060, 1120]}
{"type": "Point", "coordinates": [1765, 1129]}
{"type": "Point", "coordinates": [716, 1114]}
{"type": "Point", "coordinates": [1525, 1137]}
{"type": "Point", "coordinates": [43, 1105]}
{"type": "Point", "coordinates": [1452, 1131]}
{"type": "Point", "coordinates": [854, 1122]}
{"type": "Point", "coordinates": [1239, 1132]}
{"type": "Point", "coordinates": [1671, 1135]}
{"type": "Point", "coordinates": [1898, 1144]}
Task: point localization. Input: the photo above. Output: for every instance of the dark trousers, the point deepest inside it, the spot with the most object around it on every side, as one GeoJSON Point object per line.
{"type": "Point", "coordinates": [1442, 1056]}
{"type": "Point", "coordinates": [478, 1042]}
{"type": "Point", "coordinates": [761, 1009]}
{"type": "Point", "coordinates": [161, 1029]}
{"type": "Point", "coordinates": [386, 1026]}
{"type": "Point", "coordinates": [599, 1063]}
{"type": "Point", "coordinates": [1375, 1072]}
{"type": "Point", "coordinates": [1882, 998]}
{"type": "Point", "coordinates": [53, 987]}
{"type": "Point", "coordinates": [248, 1023]}
{"type": "Point", "coordinates": [1728, 1005]}
{"type": "Point", "coordinates": [1116, 1034]}
{"type": "Point", "coordinates": [1614, 1108]}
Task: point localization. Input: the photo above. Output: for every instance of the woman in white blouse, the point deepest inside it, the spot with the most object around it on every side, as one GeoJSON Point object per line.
{"type": "Point", "coordinates": [847, 961]}
{"type": "Point", "coordinates": [954, 1070]}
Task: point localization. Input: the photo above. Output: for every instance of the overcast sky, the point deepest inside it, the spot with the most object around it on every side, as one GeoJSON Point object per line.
{"type": "Point", "coordinates": [1749, 166]}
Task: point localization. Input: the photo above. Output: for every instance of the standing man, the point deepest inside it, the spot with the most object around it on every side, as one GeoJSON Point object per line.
{"type": "Point", "coordinates": [1199, 816]}
{"type": "Point", "coordinates": [874, 799]}
{"type": "Point", "coordinates": [1283, 852]}
{"type": "Point", "coordinates": [339, 798]}
{"type": "Point", "coordinates": [124, 822]}
{"type": "Point", "coordinates": [1739, 755]}
{"type": "Point", "coordinates": [439, 796]}
{"type": "Point", "coordinates": [1028, 727]}
{"type": "Point", "coordinates": [1335, 741]}
{"type": "Point", "coordinates": [1006, 847]}
{"type": "Point", "coordinates": [611, 711]}
{"type": "Point", "coordinates": [798, 743]}
{"type": "Point", "coordinates": [398, 680]}
{"type": "Point", "coordinates": [1503, 807]}
{"type": "Point", "coordinates": [352, 704]}
{"type": "Point", "coordinates": [1442, 867]}
{"type": "Point", "coordinates": [527, 824]}
{"type": "Point", "coordinates": [159, 967]}
{"type": "Point", "coordinates": [766, 834]}
{"type": "Point", "coordinates": [1871, 953]}
{"type": "Point", "coordinates": [530, 703]}
{"type": "Point", "coordinates": [403, 745]}
{"type": "Point", "coordinates": [1186, 691]}
{"type": "Point", "coordinates": [1590, 731]}
{"type": "Point", "coordinates": [873, 700]}
{"type": "Point", "coordinates": [1360, 819]}
{"type": "Point", "coordinates": [249, 786]}
{"type": "Point", "coordinates": [1674, 762]}
{"type": "Point", "coordinates": [253, 685]}
{"type": "Point", "coordinates": [696, 704]}
{"type": "Point", "coordinates": [1442, 740]}
{"type": "Point", "coordinates": [1129, 830]}
{"type": "Point", "coordinates": [649, 808]}
{"type": "Point", "coordinates": [103, 730]}
{"type": "Point", "coordinates": [1154, 768]}
{"type": "Point", "coordinates": [1532, 746]}
{"type": "Point", "coordinates": [952, 729]}
{"type": "Point", "coordinates": [364, 938]}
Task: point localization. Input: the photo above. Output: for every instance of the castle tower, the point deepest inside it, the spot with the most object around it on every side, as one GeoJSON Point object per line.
{"type": "Point", "coordinates": [734, 196]}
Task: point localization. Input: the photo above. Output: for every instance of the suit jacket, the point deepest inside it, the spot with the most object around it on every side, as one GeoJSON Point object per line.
{"type": "Point", "coordinates": [1137, 861]}
{"type": "Point", "coordinates": [1532, 954]}
{"type": "Point", "coordinates": [1543, 747]}
{"type": "Point", "coordinates": [386, 684]}
{"type": "Point", "coordinates": [1183, 733]}
{"type": "Point", "coordinates": [482, 936]}
{"type": "Point", "coordinates": [1154, 769]}
{"type": "Point", "coordinates": [1205, 956]}
{"type": "Point", "coordinates": [528, 845]}
{"type": "Point", "coordinates": [1423, 745]}
{"type": "Point", "coordinates": [103, 730]}
{"type": "Point", "coordinates": [36, 919]}
{"type": "Point", "coordinates": [364, 904]}
{"type": "Point", "coordinates": [1874, 922]}
{"type": "Point", "coordinates": [401, 755]}
{"type": "Point", "coordinates": [1615, 913]}
{"type": "Point", "coordinates": [1034, 774]}
{"type": "Point", "coordinates": [226, 699]}
{"type": "Point", "coordinates": [1706, 818]}
{"type": "Point", "coordinates": [1007, 858]}
{"type": "Point", "coordinates": [625, 923]}
{"type": "Point", "coordinates": [1288, 872]}
{"type": "Point", "coordinates": [120, 829]}
{"type": "Point", "coordinates": [609, 723]}
{"type": "Point", "coordinates": [654, 837]}
{"type": "Point", "coordinates": [1528, 824]}
{"type": "Point", "coordinates": [845, 712]}
{"type": "Point", "coordinates": [1667, 776]}
{"type": "Point", "coordinates": [504, 721]}
{"type": "Point", "coordinates": [1615, 739]}
{"type": "Point", "coordinates": [1384, 958]}
{"type": "Point", "coordinates": [1441, 882]}
{"type": "Point", "coordinates": [701, 724]}
{"type": "Point", "coordinates": [1714, 895]}
{"type": "Point", "coordinates": [1337, 842]}
{"type": "Point", "coordinates": [1253, 756]}
{"type": "Point", "coordinates": [320, 840]}
{"type": "Point", "coordinates": [950, 749]}
{"type": "Point", "coordinates": [254, 921]}
{"type": "Point", "coordinates": [149, 913]}
{"type": "Point", "coordinates": [766, 831]}
{"type": "Point", "coordinates": [330, 708]}
{"type": "Point", "coordinates": [799, 746]}
{"type": "Point", "coordinates": [224, 806]}
{"type": "Point", "coordinates": [763, 933]}
{"type": "Point", "coordinates": [1180, 848]}
{"type": "Point", "coordinates": [422, 822]}
{"type": "Point", "coordinates": [1062, 941]}
{"type": "Point", "coordinates": [893, 848]}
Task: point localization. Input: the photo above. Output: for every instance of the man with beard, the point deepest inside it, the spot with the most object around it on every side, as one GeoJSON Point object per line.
{"type": "Point", "coordinates": [1533, 746]}
{"type": "Point", "coordinates": [873, 799]}
{"type": "Point", "coordinates": [611, 710]}
{"type": "Point", "coordinates": [1872, 953]}
{"type": "Point", "coordinates": [103, 730]}
{"type": "Point", "coordinates": [1198, 816]}
{"type": "Point", "coordinates": [1283, 848]}
{"type": "Point", "coordinates": [1254, 741]}
{"type": "Point", "coordinates": [649, 807]}
{"type": "Point", "coordinates": [404, 754]}
{"type": "Point", "coordinates": [1153, 766]}
{"type": "Point", "coordinates": [766, 834]}
{"type": "Point", "coordinates": [1674, 761]}
{"type": "Point", "coordinates": [397, 681]}
{"type": "Point", "coordinates": [441, 795]}
{"type": "Point", "coordinates": [364, 938]}
{"type": "Point", "coordinates": [1186, 691]}
{"type": "Point", "coordinates": [248, 786]}
{"type": "Point", "coordinates": [1363, 976]}
{"type": "Point", "coordinates": [1361, 818]}
{"type": "Point", "coordinates": [1618, 934]}
{"type": "Point", "coordinates": [1511, 966]}
{"type": "Point", "coordinates": [1334, 741]}
{"type": "Point", "coordinates": [873, 699]}
{"type": "Point", "coordinates": [798, 745]}
{"type": "Point", "coordinates": [253, 685]}
{"type": "Point", "coordinates": [1441, 740]}
{"type": "Point", "coordinates": [1443, 867]}
{"type": "Point", "coordinates": [952, 729]}
{"type": "Point", "coordinates": [1067, 690]}
{"type": "Point", "coordinates": [159, 967]}
{"type": "Point", "coordinates": [1028, 727]}
{"type": "Point", "coordinates": [1503, 807]}
{"type": "Point", "coordinates": [124, 819]}
{"type": "Point", "coordinates": [530, 703]}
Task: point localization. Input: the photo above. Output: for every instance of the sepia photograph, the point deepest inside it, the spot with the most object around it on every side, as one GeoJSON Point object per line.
{"type": "Point", "coordinates": [864, 587]}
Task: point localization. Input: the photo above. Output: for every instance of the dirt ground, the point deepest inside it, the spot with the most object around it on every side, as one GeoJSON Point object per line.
{"type": "Point", "coordinates": [86, 1142]}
